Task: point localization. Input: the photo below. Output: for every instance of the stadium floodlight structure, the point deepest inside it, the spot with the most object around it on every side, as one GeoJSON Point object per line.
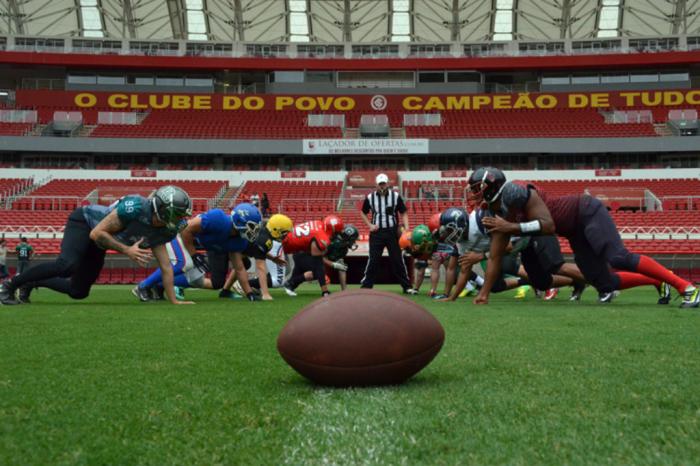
{"type": "Point", "coordinates": [343, 21]}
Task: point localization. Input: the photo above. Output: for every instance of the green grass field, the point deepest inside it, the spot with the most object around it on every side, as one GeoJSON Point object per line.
{"type": "Point", "coordinates": [109, 380]}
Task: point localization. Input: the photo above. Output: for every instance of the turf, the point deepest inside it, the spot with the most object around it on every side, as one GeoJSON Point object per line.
{"type": "Point", "coordinates": [112, 381]}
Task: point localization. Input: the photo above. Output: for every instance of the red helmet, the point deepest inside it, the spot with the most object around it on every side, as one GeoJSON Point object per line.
{"type": "Point", "coordinates": [333, 224]}
{"type": "Point", "coordinates": [434, 223]}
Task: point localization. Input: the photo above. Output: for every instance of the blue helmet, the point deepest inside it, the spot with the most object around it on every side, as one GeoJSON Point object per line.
{"type": "Point", "coordinates": [454, 224]}
{"type": "Point", "coordinates": [247, 220]}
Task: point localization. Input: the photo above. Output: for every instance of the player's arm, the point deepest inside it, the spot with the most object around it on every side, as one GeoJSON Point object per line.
{"type": "Point", "coordinates": [193, 228]}
{"type": "Point", "coordinates": [103, 236]}
{"type": "Point", "coordinates": [539, 220]}
{"type": "Point", "coordinates": [242, 274]}
{"type": "Point", "coordinates": [466, 263]}
{"type": "Point", "coordinates": [318, 271]}
{"type": "Point", "coordinates": [401, 208]}
{"type": "Point", "coordinates": [261, 268]}
{"type": "Point", "coordinates": [166, 270]}
{"type": "Point", "coordinates": [499, 242]}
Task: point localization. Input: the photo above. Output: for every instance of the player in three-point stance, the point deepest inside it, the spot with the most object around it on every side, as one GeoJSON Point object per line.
{"type": "Point", "coordinates": [224, 238]}
{"type": "Point", "coordinates": [132, 226]}
{"type": "Point", "coordinates": [520, 209]}
{"type": "Point", "coordinates": [308, 242]}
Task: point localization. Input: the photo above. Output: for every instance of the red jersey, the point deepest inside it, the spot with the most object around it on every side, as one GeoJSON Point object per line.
{"type": "Point", "coordinates": [301, 237]}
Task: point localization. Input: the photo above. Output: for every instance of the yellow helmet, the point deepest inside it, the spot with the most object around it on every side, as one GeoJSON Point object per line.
{"type": "Point", "coordinates": [279, 226]}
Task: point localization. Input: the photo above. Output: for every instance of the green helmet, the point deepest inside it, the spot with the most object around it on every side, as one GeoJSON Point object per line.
{"type": "Point", "coordinates": [171, 206]}
{"type": "Point", "coordinates": [422, 239]}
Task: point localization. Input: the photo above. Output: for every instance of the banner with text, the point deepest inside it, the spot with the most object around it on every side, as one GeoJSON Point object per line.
{"type": "Point", "coordinates": [365, 146]}
{"type": "Point", "coordinates": [339, 104]}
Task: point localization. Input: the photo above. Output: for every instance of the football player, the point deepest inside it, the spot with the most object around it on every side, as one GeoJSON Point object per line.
{"type": "Point", "coordinates": [135, 226]}
{"type": "Point", "coordinates": [523, 210]}
{"type": "Point", "coordinates": [468, 233]}
{"type": "Point", "coordinates": [308, 242]}
{"type": "Point", "coordinates": [224, 238]}
{"type": "Point", "coordinates": [341, 244]}
{"type": "Point", "coordinates": [268, 253]}
{"type": "Point", "coordinates": [421, 251]}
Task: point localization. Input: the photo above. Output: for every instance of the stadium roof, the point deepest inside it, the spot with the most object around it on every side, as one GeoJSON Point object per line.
{"type": "Point", "coordinates": [334, 21]}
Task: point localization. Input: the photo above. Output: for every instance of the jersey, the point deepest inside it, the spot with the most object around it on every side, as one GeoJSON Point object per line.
{"type": "Point", "coordinates": [23, 251]}
{"type": "Point", "coordinates": [277, 272]}
{"type": "Point", "coordinates": [477, 240]}
{"type": "Point", "coordinates": [216, 233]}
{"type": "Point", "coordinates": [136, 215]}
{"type": "Point", "coordinates": [563, 209]}
{"type": "Point", "coordinates": [301, 237]}
{"type": "Point", "coordinates": [262, 245]}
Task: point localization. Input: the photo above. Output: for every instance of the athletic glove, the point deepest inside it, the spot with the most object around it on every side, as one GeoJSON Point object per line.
{"type": "Point", "coordinates": [200, 261]}
{"type": "Point", "coordinates": [325, 293]}
{"type": "Point", "coordinates": [340, 266]}
{"type": "Point", "coordinates": [252, 297]}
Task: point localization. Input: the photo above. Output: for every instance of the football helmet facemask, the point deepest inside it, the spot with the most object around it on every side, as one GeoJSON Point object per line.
{"type": "Point", "coordinates": [486, 184]}
{"type": "Point", "coordinates": [454, 224]}
{"type": "Point", "coordinates": [247, 220]}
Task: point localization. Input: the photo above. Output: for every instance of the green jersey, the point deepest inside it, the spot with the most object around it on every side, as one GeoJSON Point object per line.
{"type": "Point", "coordinates": [337, 250]}
{"type": "Point", "coordinates": [136, 214]}
{"type": "Point", "coordinates": [24, 250]}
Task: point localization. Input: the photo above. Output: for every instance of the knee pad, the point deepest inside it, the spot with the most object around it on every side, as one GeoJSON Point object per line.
{"type": "Point", "coordinates": [624, 260]}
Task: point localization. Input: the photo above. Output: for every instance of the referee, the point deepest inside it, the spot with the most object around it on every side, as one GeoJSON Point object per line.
{"type": "Point", "coordinates": [384, 228]}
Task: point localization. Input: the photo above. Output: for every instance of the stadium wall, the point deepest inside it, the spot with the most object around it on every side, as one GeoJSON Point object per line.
{"type": "Point", "coordinates": [295, 146]}
{"type": "Point", "coordinates": [236, 178]}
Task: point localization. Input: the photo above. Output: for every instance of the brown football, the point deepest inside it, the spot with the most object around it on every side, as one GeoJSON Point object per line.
{"type": "Point", "coordinates": [359, 338]}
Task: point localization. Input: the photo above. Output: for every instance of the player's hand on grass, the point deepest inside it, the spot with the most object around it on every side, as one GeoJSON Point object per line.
{"type": "Point", "coordinates": [141, 256]}
{"type": "Point", "coordinates": [184, 302]}
{"type": "Point", "coordinates": [267, 297]}
{"type": "Point", "coordinates": [481, 299]}
{"type": "Point", "coordinates": [497, 224]}
{"type": "Point", "coordinates": [445, 300]}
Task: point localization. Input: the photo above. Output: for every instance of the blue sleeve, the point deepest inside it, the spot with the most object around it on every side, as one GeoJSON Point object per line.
{"type": "Point", "coordinates": [129, 208]}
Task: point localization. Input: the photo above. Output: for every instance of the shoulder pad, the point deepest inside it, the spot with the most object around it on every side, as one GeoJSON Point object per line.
{"type": "Point", "coordinates": [129, 208]}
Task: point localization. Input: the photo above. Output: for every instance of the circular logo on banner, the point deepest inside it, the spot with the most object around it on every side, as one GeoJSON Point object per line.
{"type": "Point", "coordinates": [378, 102]}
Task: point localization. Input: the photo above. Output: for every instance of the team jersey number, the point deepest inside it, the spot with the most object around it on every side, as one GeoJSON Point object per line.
{"type": "Point", "coordinates": [302, 230]}
{"type": "Point", "coordinates": [129, 206]}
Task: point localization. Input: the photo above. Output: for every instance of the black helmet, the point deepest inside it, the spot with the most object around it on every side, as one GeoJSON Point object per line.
{"type": "Point", "coordinates": [171, 206]}
{"type": "Point", "coordinates": [486, 183]}
{"type": "Point", "coordinates": [454, 224]}
{"type": "Point", "coordinates": [349, 235]}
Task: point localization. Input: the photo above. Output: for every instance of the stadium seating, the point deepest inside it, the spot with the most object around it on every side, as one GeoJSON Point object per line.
{"type": "Point", "coordinates": [68, 194]}
{"type": "Point", "coordinates": [15, 129]}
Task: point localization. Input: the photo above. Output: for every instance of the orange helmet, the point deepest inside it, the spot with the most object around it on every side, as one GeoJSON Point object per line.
{"type": "Point", "coordinates": [405, 241]}
{"type": "Point", "coordinates": [434, 223]}
{"type": "Point", "coordinates": [333, 224]}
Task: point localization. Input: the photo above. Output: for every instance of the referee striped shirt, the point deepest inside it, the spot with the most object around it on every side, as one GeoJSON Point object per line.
{"type": "Point", "coordinates": [384, 207]}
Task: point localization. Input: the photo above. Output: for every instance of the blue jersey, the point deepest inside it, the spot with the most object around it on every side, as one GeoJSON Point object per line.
{"type": "Point", "coordinates": [216, 233]}
{"type": "Point", "coordinates": [136, 215]}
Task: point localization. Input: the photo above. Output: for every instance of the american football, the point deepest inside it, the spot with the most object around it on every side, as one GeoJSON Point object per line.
{"type": "Point", "coordinates": [360, 338]}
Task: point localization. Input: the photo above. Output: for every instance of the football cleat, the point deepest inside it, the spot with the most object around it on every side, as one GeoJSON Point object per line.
{"type": "Point", "coordinates": [7, 295]}
{"type": "Point", "coordinates": [577, 292]}
{"type": "Point", "coordinates": [465, 292]}
{"type": "Point", "coordinates": [143, 294]}
{"type": "Point", "coordinates": [550, 294]}
{"type": "Point", "coordinates": [238, 288]}
{"type": "Point", "coordinates": [157, 293]}
{"type": "Point", "coordinates": [440, 296]}
{"type": "Point", "coordinates": [179, 293]}
{"type": "Point", "coordinates": [23, 294]}
{"type": "Point", "coordinates": [410, 291]}
{"type": "Point", "coordinates": [691, 297]}
{"type": "Point", "coordinates": [607, 297]}
{"type": "Point", "coordinates": [664, 293]}
{"type": "Point", "coordinates": [289, 291]}
{"type": "Point", "coordinates": [522, 292]}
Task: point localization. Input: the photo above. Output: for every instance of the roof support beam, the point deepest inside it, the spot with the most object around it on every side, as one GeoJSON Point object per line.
{"type": "Point", "coordinates": [17, 16]}
{"type": "Point", "coordinates": [347, 21]}
{"type": "Point", "coordinates": [455, 26]}
{"type": "Point", "coordinates": [177, 18]}
{"type": "Point", "coordinates": [129, 23]}
{"type": "Point", "coordinates": [564, 26]}
{"type": "Point", "coordinates": [239, 27]}
{"type": "Point", "coordinates": [680, 15]}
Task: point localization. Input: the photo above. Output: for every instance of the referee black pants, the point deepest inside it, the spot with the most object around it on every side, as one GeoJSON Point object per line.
{"type": "Point", "coordinates": [380, 239]}
{"type": "Point", "coordinates": [77, 267]}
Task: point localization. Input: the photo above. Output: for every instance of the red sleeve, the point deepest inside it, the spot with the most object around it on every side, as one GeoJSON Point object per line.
{"type": "Point", "coordinates": [321, 240]}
